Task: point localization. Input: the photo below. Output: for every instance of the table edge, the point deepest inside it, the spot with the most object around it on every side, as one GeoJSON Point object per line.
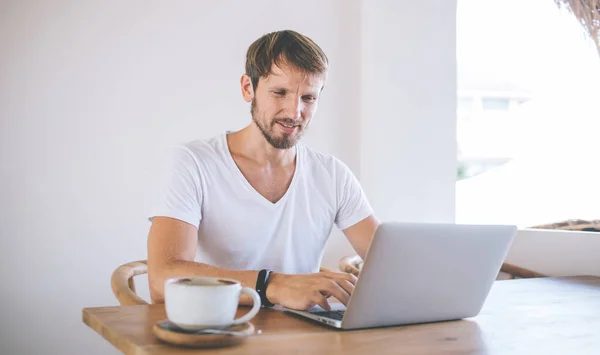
{"type": "Point", "coordinates": [123, 345]}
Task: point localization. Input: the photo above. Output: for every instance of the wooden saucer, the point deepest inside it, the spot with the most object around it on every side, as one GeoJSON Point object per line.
{"type": "Point", "coordinates": [167, 332]}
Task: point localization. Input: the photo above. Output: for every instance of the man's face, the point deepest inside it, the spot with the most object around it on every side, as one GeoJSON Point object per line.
{"type": "Point", "coordinates": [284, 104]}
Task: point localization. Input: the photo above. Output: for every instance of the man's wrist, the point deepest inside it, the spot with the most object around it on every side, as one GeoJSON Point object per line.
{"type": "Point", "coordinates": [271, 290]}
{"type": "Point", "coordinates": [262, 282]}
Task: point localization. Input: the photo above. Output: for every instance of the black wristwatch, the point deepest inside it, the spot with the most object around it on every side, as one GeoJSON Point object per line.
{"type": "Point", "coordinates": [261, 287]}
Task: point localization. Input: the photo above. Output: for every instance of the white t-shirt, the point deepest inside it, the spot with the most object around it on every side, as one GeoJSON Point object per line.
{"type": "Point", "coordinates": [238, 228]}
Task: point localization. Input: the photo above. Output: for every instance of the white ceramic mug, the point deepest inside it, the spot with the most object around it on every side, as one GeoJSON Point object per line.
{"type": "Point", "coordinates": [195, 303]}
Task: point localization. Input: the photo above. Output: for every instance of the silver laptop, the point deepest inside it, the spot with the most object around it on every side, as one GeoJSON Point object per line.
{"type": "Point", "coordinates": [421, 273]}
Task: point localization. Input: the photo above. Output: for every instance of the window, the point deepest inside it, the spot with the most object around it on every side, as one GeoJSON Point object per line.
{"type": "Point", "coordinates": [490, 103]}
{"type": "Point", "coordinates": [528, 146]}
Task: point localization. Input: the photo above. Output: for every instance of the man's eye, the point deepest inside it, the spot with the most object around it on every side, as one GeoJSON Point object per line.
{"type": "Point", "coordinates": [309, 98]}
{"type": "Point", "coordinates": [280, 93]}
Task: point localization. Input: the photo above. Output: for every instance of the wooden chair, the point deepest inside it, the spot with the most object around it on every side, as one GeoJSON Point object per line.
{"type": "Point", "coordinates": [123, 285]}
{"type": "Point", "coordinates": [353, 264]}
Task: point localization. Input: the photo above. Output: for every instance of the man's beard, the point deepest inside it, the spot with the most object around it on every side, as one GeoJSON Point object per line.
{"type": "Point", "coordinates": [287, 140]}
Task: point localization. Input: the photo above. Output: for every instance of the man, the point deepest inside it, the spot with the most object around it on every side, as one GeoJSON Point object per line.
{"type": "Point", "coordinates": [255, 205]}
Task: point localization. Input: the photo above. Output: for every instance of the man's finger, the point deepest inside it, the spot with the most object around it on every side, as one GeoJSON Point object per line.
{"type": "Point", "coordinates": [350, 278]}
{"type": "Point", "coordinates": [346, 285]}
{"type": "Point", "coordinates": [333, 288]}
{"type": "Point", "coordinates": [320, 300]}
{"type": "Point", "coordinates": [344, 276]}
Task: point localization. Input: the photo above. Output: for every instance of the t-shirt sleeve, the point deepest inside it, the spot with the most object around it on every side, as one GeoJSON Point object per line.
{"type": "Point", "coordinates": [352, 204]}
{"type": "Point", "coordinates": [179, 194]}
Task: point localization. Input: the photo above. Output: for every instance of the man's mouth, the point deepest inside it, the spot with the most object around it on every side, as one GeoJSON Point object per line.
{"type": "Point", "coordinates": [288, 127]}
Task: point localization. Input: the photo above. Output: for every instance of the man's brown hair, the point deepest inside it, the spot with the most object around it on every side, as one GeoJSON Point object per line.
{"type": "Point", "coordinates": [285, 46]}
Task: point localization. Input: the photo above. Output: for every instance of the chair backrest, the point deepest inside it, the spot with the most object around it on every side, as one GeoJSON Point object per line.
{"type": "Point", "coordinates": [123, 285]}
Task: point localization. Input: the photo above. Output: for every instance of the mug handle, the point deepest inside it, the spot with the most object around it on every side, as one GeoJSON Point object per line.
{"type": "Point", "coordinates": [255, 307]}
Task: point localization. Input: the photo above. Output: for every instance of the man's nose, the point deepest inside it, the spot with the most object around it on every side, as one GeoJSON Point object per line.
{"type": "Point", "coordinates": [294, 108]}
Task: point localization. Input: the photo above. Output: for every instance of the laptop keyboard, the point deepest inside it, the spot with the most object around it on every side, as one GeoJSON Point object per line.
{"type": "Point", "coordinates": [337, 315]}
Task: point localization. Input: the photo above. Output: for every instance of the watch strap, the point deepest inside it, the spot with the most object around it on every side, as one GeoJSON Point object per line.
{"type": "Point", "coordinates": [261, 287]}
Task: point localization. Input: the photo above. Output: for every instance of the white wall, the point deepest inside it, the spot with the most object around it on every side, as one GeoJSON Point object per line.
{"type": "Point", "coordinates": [407, 126]}
{"type": "Point", "coordinates": [92, 93]}
{"type": "Point", "coordinates": [556, 252]}
{"type": "Point", "coordinates": [408, 105]}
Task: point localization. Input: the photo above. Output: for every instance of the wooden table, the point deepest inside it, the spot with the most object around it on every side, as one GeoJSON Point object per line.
{"type": "Point", "coordinates": [525, 316]}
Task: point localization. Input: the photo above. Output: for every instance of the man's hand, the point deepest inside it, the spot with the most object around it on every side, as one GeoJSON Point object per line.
{"type": "Point", "coordinates": [303, 292]}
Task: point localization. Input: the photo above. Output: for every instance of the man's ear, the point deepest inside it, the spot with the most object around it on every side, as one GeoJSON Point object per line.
{"type": "Point", "coordinates": [247, 89]}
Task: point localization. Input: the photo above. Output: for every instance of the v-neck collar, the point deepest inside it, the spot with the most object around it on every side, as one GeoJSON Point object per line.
{"type": "Point", "coordinates": [249, 186]}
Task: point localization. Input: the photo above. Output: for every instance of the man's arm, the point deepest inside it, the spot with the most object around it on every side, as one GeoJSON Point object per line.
{"type": "Point", "coordinates": [354, 216]}
{"type": "Point", "coordinates": [360, 234]}
{"type": "Point", "coordinates": [171, 250]}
